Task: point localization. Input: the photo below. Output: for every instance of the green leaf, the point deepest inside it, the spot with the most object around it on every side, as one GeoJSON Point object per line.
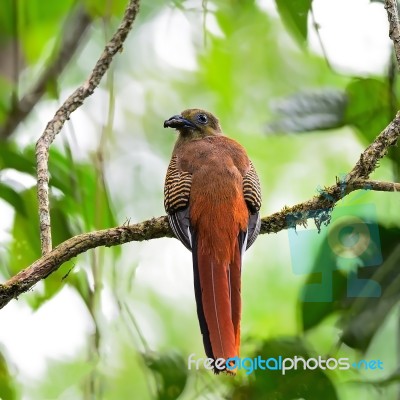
{"type": "Point", "coordinates": [12, 157]}
{"type": "Point", "coordinates": [96, 209]}
{"type": "Point", "coordinates": [368, 107]}
{"type": "Point", "coordinates": [7, 386]}
{"type": "Point", "coordinates": [52, 89]}
{"type": "Point", "coordinates": [77, 181]}
{"type": "Point", "coordinates": [222, 72]}
{"type": "Point", "coordinates": [105, 8]}
{"type": "Point", "coordinates": [13, 198]}
{"type": "Point", "coordinates": [171, 374]}
{"type": "Point", "coordinates": [6, 87]}
{"type": "Point", "coordinates": [25, 247]}
{"type": "Point", "coordinates": [38, 24]}
{"type": "Point", "coordinates": [294, 15]}
{"type": "Point", "coordinates": [7, 20]}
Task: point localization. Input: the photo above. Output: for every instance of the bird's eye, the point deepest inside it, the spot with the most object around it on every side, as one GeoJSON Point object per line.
{"type": "Point", "coordinates": [202, 118]}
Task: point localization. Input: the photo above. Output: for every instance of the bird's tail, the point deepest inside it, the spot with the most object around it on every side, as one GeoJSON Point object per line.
{"type": "Point", "coordinates": [217, 289]}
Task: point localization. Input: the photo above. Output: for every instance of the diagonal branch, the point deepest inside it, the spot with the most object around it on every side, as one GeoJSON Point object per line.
{"type": "Point", "coordinates": [375, 152]}
{"type": "Point", "coordinates": [74, 101]}
{"type": "Point", "coordinates": [320, 207]}
{"type": "Point", "coordinates": [74, 29]}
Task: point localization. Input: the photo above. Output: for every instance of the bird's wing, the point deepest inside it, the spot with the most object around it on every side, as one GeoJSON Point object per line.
{"type": "Point", "coordinates": [252, 196]}
{"type": "Point", "coordinates": [176, 202]}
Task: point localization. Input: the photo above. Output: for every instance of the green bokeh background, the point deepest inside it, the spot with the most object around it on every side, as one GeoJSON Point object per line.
{"type": "Point", "coordinates": [107, 167]}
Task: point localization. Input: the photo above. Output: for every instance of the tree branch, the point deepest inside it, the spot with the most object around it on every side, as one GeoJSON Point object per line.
{"type": "Point", "coordinates": [74, 101]}
{"type": "Point", "coordinates": [375, 152]}
{"type": "Point", "coordinates": [50, 262]}
{"type": "Point", "coordinates": [394, 27]}
{"type": "Point", "coordinates": [319, 208]}
{"type": "Point", "coordinates": [74, 28]}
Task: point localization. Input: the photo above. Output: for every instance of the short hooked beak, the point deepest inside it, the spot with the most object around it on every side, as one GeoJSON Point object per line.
{"type": "Point", "coordinates": [177, 121]}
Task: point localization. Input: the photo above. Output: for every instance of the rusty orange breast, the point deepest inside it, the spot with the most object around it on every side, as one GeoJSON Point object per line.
{"type": "Point", "coordinates": [218, 210]}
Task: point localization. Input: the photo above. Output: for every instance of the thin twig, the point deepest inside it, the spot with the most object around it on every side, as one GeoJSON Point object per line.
{"type": "Point", "coordinates": [394, 27]}
{"type": "Point", "coordinates": [73, 32]}
{"type": "Point", "coordinates": [377, 186]}
{"type": "Point", "coordinates": [320, 41]}
{"type": "Point", "coordinates": [74, 101]}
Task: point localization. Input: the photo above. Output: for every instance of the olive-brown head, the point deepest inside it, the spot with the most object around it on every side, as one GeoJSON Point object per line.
{"type": "Point", "coordinates": [194, 123]}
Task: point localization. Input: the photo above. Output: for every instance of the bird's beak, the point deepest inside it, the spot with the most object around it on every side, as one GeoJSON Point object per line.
{"type": "Point", "coordinates": [177, 121]}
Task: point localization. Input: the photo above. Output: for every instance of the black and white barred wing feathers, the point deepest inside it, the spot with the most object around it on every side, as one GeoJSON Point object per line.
{"type": "Point", "coordinates": [176, 202]}
{"type": "Point", "coordinates": [252, 196]}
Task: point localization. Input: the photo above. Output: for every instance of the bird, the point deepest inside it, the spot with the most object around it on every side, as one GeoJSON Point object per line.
{"type": "Point", "coordinates": [212, 197]}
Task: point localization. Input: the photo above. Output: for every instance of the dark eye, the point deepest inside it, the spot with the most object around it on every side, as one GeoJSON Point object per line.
{"type": "Point", "coordinates": [202, 118]}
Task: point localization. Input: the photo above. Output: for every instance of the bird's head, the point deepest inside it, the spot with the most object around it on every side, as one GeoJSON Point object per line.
{"type": "Point", "coordinates": [194, 123]}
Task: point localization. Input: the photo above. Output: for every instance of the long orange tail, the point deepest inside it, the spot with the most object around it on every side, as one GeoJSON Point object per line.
{"type": "Point", "coordinates": [217, 290]}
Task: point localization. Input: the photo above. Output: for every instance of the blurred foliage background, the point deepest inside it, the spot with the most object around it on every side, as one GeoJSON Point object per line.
{"type": "Point", "coordinates": [121, 322]}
